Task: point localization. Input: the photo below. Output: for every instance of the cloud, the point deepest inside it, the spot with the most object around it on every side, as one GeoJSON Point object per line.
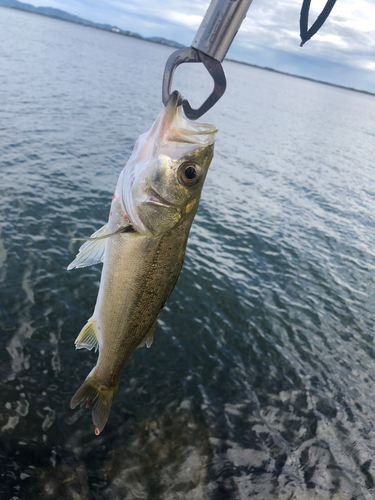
{"type": "Point", "coordinates": [187, 20]}
{"type": "Point", "coordinates": [346, 39]}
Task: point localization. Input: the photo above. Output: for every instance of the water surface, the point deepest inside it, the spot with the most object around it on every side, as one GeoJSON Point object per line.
{"type": "Point", "coordinates": [260, 380]}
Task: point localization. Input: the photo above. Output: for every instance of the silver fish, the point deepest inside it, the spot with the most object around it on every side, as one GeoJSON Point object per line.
{"type": "Point", "coordinates": [142, 247]}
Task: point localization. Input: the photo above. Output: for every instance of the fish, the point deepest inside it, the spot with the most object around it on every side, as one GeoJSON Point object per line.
{"type": "Point", "coordinates": [142, 247]}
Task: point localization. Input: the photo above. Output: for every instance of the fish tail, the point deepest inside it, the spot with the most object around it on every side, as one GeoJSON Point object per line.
{"type": "Point", "coordinates": [100, 395]}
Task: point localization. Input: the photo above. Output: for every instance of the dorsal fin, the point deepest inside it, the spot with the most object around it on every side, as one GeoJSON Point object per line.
{"type": "Point", "coordinates": [87, 338]}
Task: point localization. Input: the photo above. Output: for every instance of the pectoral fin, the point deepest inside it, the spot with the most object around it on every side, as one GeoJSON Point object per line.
{"type": "Point", "coordinates": [149, 337]}
{"type": "Point", "coordinates": [87, 339]}
{"type": "Point", "coordinates": [91, 252]}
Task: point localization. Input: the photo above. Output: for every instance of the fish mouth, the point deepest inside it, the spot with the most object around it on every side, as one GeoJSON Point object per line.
{"type": "Point", "coordinates": [155, 197]}
{"type": "Point", "coordinates": [176, 127]}
{"type": "Point", "coordinates": [139, 221]}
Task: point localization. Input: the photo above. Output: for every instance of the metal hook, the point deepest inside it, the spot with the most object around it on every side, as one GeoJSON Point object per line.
{"type": "Point", "coordinates": [215, 69]}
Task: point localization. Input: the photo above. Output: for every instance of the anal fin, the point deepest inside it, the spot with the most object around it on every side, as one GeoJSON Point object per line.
{"type": "Point", "coordinates": [87, 339]}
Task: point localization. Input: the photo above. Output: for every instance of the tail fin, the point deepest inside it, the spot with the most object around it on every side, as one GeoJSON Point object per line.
{"type": "Point", "coordinates": [102, 397]}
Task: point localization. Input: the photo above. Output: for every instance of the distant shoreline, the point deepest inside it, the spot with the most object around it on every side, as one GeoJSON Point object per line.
{"type": "Point", "coordinates": [302, 77]}
{"type": "Point", "coordinates": [90, 24]}
{"type": "Point", "coordinates": [160, 41]}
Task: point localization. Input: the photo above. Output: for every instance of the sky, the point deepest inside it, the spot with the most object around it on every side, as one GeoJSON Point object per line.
{"type": "Point", "coordinates": [342, 52]}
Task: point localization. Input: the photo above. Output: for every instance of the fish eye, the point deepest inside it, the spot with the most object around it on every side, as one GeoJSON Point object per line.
{"type": "Point", "coordinates": [190, 173]}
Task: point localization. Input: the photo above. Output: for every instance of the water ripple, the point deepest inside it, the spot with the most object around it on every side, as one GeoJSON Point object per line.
{"type": "Point", "coordinates": [261, 379]}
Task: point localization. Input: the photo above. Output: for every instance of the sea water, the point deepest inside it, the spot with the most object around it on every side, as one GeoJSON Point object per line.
{"type": "Point", "coordinates": [260, 380]}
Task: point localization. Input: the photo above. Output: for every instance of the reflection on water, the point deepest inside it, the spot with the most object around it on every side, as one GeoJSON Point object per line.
{"type": "Point", "coordinates": [260, 381]}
